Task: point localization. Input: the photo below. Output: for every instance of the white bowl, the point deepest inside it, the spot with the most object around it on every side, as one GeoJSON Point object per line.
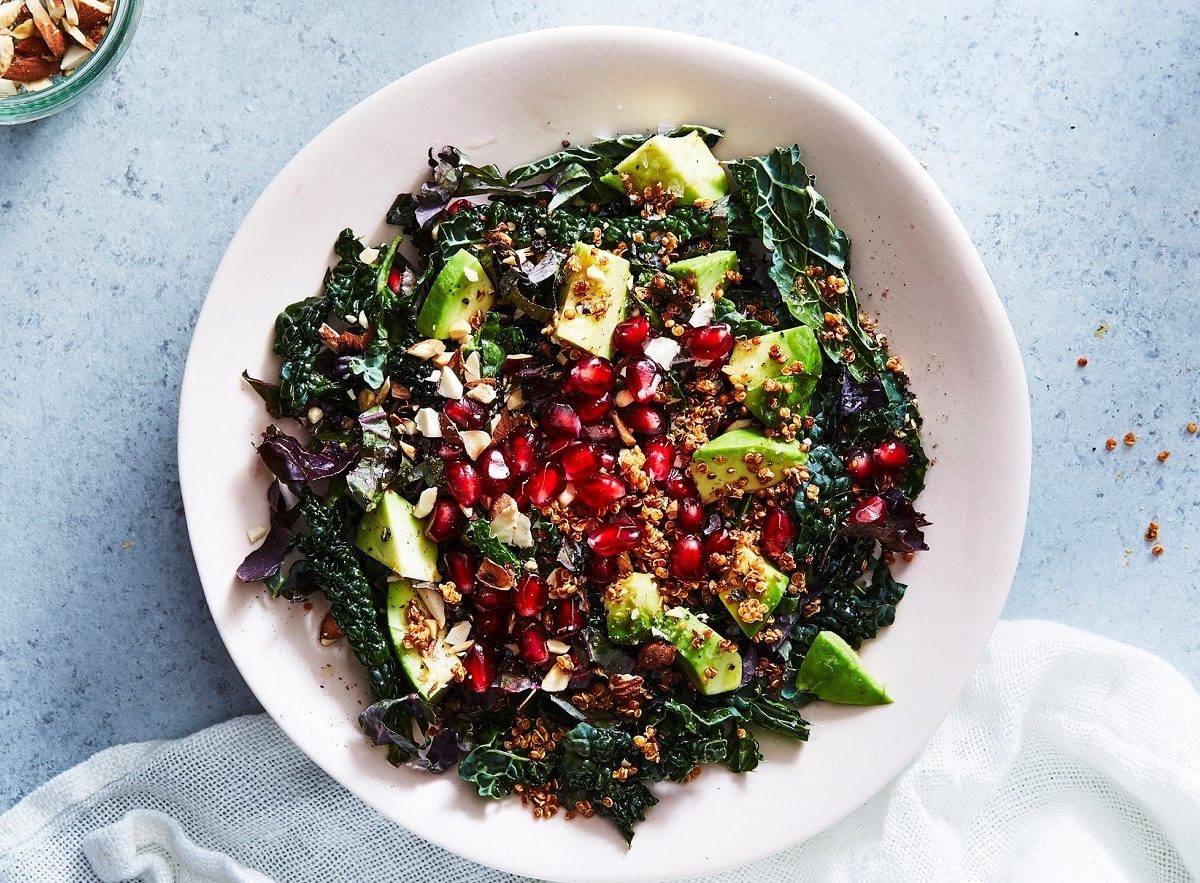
{"type": "Point", "coordinates": [509, 101]}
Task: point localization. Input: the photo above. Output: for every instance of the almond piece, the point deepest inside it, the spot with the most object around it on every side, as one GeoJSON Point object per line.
{"type": "Point", "coordinates": [31, 45]}
{"type": "Point", "coordinates": [7, 88]}
{"type": "Point", "coordinates": [330, 632]}
{"type": "Point", "coordinates": [98, 5]}
{"type": "Point", "coordinates": [70, 13]}
{"type": "Point", "coordinates": [74, 57]}
{"type": "Point", "coordinates": [54, 38]}
{"type": "Point", "coordinates": [79, 36]}
{"type": "Point", "coordinates": [7, 53]}
{"type": "Point", "coordinates": [30, 70]}
{"type": "Point", "coordinates": [89, 16]}
{"type": "Point", "coordinates": [9, 12]}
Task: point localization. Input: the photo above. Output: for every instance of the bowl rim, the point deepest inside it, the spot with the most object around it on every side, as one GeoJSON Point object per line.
{"type": "Point", "coordinates": [896, 154]}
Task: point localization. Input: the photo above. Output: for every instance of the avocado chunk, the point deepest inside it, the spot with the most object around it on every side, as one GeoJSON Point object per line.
{"type": "Point", "coordinates": [779, 371]}
{"type": "Point", "coordinates": [707, 272]}
{"type": "Point", "coordinates": [712, 669]}
{"type": "Point", "coordinates": [834, 672]}
{"type": "Point", "coordinates": [394, 537]}
{"type": "Point", "coordinates": [633, 606]}
{"type": "Point", "coordinates": [461, 290]}
{"type": "Point", "coordinates": [743, 459]}
{"type": "Point", "coordinates": [430, 669]}
{"type": "Point", "coordinates": [595, 294]}
{"type": "Point", "coordinates": [683, 165]}
{"type": "Point", "coordinates": [751, 577]}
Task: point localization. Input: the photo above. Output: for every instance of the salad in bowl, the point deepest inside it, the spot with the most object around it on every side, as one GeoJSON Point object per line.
{"type": "Point", "coordinates": [598, 465]}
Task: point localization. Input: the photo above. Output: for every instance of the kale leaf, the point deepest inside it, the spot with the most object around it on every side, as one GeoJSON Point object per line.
{"type": "Point", "coordinates": [590, 757]}
{"type": "Point", "coordinates": [819, 518]}
{"type": "Point", "coordinates": [495, 771]}
{"type": "Point", "coordinates": [479, 534]}
{"type": "Point", "coordinates": [900, 528]}
{"type": "Point", "coordinates": [855, 611]}
{"type": "Point", "coordinates": [374, 470]}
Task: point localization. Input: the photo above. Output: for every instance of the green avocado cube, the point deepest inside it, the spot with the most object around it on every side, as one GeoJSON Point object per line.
{"type": "Point", "coordinates": [461, 291]}
{"type": "Point", "coordinates": [706, 664]}
{"type": "Point", "coordinates": [708, 273]}
{"type": "Point", "coordinates": [834, 672]}
{"type": "Point", "coordinates": [683, 165]}
{"type": "Point", "coordinates": [633, 606]}
{"type": "Point", "coordinates": [431, 669]}
{"type": "Point", "coordinates": [751, 577]}
{"type": "Point", "coordinates": [595, 295]}
{"type": "Point", "coordinates": [779, 372]}
{"type": "Point", "coordinates": [392, 535]}
{"type": "Point", "coordinates": [743, 459]}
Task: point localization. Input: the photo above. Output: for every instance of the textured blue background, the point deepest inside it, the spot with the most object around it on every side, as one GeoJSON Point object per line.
{"type": "Point", "coordinates": [1065, 134]}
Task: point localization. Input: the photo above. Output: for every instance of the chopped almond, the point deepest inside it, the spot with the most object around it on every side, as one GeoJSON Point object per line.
{"type": "Point", "coordinates": [30, 70]}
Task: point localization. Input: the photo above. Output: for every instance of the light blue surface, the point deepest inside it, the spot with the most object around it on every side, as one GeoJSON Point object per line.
{"type": "Point", "coordinates": [1065, 134]}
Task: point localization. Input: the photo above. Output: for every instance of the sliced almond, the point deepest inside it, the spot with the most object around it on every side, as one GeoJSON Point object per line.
{"type": "Point", "coordinates": [330, 632]}
{"type": "Point", "coordinates": [89, 16]}
{"type": "Point", "coordinates": [31, 71]}
{"type": "Point", "coordinates": [256, 533]}
{"type": "Point", "coordinates": [557, 647]}
{"type": "Point", "coordinates": [74, 57]}
{"type": "Point", "coordinates": [623, 398]}
{"type": "Point", "coordinates": [443, 359]}
{"type": "Point", "coordinates": [558, 678]}
{"type": "Point", "coordinates": [458, 632]}
{"type": "Point", "coordinates": [79, 36]}
{"type": "Point", "coordinates": [475, 442]}
{"type": "Point", "coordinates": [472, 368]}
{"type": "Point", "coordinates": [55, 39]}
{"type": "Point", "coordinates": [515, 400]}
{"type": "Point", "coordinates": [460, 330]}
{"type": "Point", "coordinates": [7, 54]}
{"type": "Point", "coordinates": [484, 393]}
{"type": "Point", "coordinates": [435, 604]}
{"type": "Point", "coordinates": [70, 12]}
{"type": "Point", "coordinates": [428, 423]}
{"type": "Point", "coordinates": [7, 88]}
{"type": "Point", "coordinates": [22, 31]}
{"type": "Point", "coordinates": [425, 502]}
{"type": "Point", "coordinates": [427, 349]}
{"type": "Point", "coordinates": [55, 9]}
{"type": "Point", "coordinates": [449, 384]}
{"type": "Point", "coordinates": [9, 12]}
{"type": "Point", "coordinates": [494, 576]}
{"type": "Point", "coordinates": [623, 430]}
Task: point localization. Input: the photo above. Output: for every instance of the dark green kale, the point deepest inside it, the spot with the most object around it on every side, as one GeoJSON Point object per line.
{"type": "Point", "coordinates": [591, 755]}
{"type": "Point", "coordinates": [819, 518]}
{"type": "Point", "coordinates": [854, 610]}
{"type": "Point", "coordinates": [479, 534]}
{"type": "Point", "coordinates": [495, 771]}
{"type": "Point", "coordinates": [689, 737]}
{"type": "Point", "coordinates": [776, 202]}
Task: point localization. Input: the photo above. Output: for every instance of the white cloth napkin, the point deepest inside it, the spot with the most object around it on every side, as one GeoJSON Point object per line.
{"type": "Point", "coordinates": [1068, 757]}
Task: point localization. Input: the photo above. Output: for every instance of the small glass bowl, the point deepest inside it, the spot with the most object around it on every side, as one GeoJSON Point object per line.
{"type": "Point", "coordinates": [25, 107]}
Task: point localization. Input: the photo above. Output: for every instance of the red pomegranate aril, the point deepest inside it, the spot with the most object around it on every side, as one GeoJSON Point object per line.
{"type": "Point", "coordinates": [497, 477]}
{"type": "Point", "coordinates": [607, 459]}
{"type": "Point", "coordinates": [531, 595]}
{"type": "Point", "coordinates": [690, 517]}
{"type": "Point", "coordinates": [491, 625]}
{"type": "Point", "coordinates": [460, 567]}
{"type": "Point", "coordinates": [644, 419]}
{"type": "Point", "coordinates": [487, 598]}
{"type": "Point", "coordinates": [592, 410]}
{"type": "Point", "coordinates": [395, 277]}
{"type": "Point", "coordinates": [614, 537]}
{"type": "Point", "coordinates": [777, 533]}
{"type": "Point", "coordinates": [581, 460]}
{"type": "Point", "coordinates": [546, 483]}
{"type": "Point", "coordinates": [642, 379]}
{"type": "Point", "coordinates": [457, 206]}
{"type": "Point", "coordinates": [568, 618]}
{"type": "Point", "coordinates": [678, 484]}
{"type": "Point", "coordinates": [719, 542]}
{"type": "Point", "coordinates": [449, 451]}
{"type": "Point", "coordinates": [860, 466]}
{"type": "Point", "coordinates": [601, 571]}
{"type": "Point", "coordinates": [602, 433]}
{"type": "Point", "coordinates": [522, 453]}
{"type": "Point", "coordinates": [531, 644]}
{"type": "Point", "coordinates": [710, 342]}
{"type": "Point", "coordinates": [891, 456]}
{"type": "Point", "coordinates": [629, 336]}
{"type": "Point", "coordinates": [553, 447]}
{"type": "Point", "coordinates": [445, 521]}
{"type": "Point", "coordinates": [592, 376]}
{"type": "Point", "coordinates": [464, 482]}
{"type": "Point", "coordinates": [869, 511]}
{"type": "Point", "coordinates": [660, 458]}
{"type": "Point", "coordinates": [599, 491]}
{"type": "Point", "coordinates": [560, 421]}
{"type": "Point", "coordinates": [466, 413]}
{"type": "Point", "coordinates": [480, 665]}
{"type": "Point", "coordinates": [687, 558]}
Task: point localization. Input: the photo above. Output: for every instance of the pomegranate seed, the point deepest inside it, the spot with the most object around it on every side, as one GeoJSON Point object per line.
{"type": "Point", "coordinates": [553, 447]}
{"type": "Point", "coordinates": [491, 625]}
{"type": "Point", "coordinates": [546, 483]}
{"type": "Point", "coordinates": [466, 413]}
{"type": "Point", "coordinates": [592, 411]}
{"type": "Point", "coordinates": [488, 598]}
{"type": "Point", "coordinates": [599, 491]}
{"type": "Point", "coordinates": [869, 511]}
{"type": "Point", "coordinates": [687, 558]}
{"type": "Point", "coordinates": [777, 533]}
{"type": "Point", "coordinates": [520, 493]}
{"type": "Point", "coordinates": [891, 456]}
{"type": "Point", "coordinates": [445, 521]}
{"type": "Point", "coordinates": [580, 460]}
{"type": "Point", "coordinates": [690, 516]}
{"type": "Point", "coordinates": [642, 379]}
{"type": "Point", "coordinates": [592, 376]}
{"type": "Point", "coordinates": [614, 537]}
{"type": "Point", "coordinates": [602, 571]}
{"type": "Point", "coordinates": [449, 451]}
{"type": "Point", "coordinates": [678, 484]}
{"type": "Point", "coordinates": [464, 482]}
{"type": "Point", "coordinates": [531, 644]}
{"type": "Point", "coordinates": [522, 453]}
{"type": "Point", "coordinates": [602, 433]}
{"type": "Point", "coordinates": [711, 342]}
{"type": "Point", "coordinates": [457, 206]}
{"type": "Point", "coordinates": [719, 542]}
{"type": "Point", "coordinates": [460, 567]}
{"type": "Point", "coordinates": [395, 277]}
{"type": "Point", "coordinates": [660, 457]}
{"type": "Point", "coordinates": [531, 595]}
{"type": "Point", "coordinates": [607, 459]}
{"type": "Point", "coordinates": [497, 476]}
{"type": "Point", "coordinates": [568, 618]}
{"type": "Point", "coordinates": [860, 466]}
{"type": "Point", "coordinates": [644, 419]}
{"type": "Point", "coordinates": [560, 421]}
{"type": "Point", "coordinates": [629, 336]}
{"type": "Point", "coordinates": [480, 664]}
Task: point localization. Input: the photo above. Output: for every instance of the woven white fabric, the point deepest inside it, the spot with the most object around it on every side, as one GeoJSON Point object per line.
{"type": "Point", "coordinates": [1068, 757]}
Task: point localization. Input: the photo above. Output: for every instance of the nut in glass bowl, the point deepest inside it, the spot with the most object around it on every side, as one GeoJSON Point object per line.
{"type": "Point", "coordinates": [52, 52]}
